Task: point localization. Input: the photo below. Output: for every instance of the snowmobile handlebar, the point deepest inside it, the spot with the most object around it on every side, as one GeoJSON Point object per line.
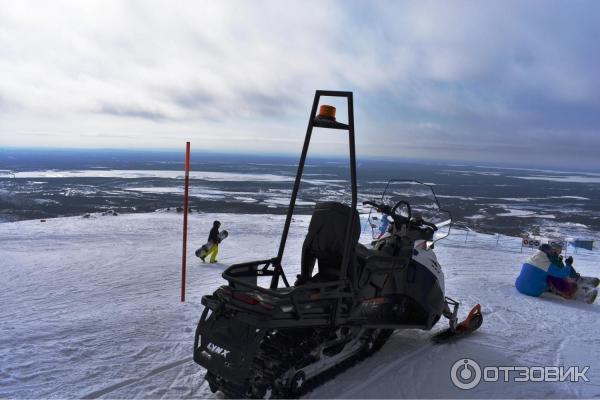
{"type": "Point", "coordinates": [408, 209]}
{"type": "Point", "coordinates": [418, 220]}
{"type": "Point", "coordinates": [382, 207]}
{"type": "Point", "coordinates": [390, 211]}
{"type": "Point", "coordinates": [415, 222]}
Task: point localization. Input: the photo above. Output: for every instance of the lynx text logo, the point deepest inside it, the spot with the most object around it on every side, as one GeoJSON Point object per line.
{"type": "Point", "coordinates": [213, 348]}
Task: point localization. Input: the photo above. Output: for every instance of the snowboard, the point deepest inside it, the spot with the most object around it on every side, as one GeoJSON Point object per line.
{"type": "Point", "coordinates": [207, 247]}
{"type": "Point", "coordinates": [579, 290]}
{"type": "Point", "coordinates": [585, 294]}
{"type": "Point", "coordinates": [588, 281]}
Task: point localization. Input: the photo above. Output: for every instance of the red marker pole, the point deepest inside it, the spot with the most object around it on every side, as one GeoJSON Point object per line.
{"type": "Point", "coordinates": [185, 218]}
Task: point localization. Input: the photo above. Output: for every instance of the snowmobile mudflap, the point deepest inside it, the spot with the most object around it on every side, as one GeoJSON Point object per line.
{"type": "Point", "coordinates": [225, 346]}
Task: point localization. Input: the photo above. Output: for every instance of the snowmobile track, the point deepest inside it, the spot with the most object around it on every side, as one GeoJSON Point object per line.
{"type": "Point", "coordinates": [101, 392]}
{"type": "Point", "coordinates": [346, 365]}
{"type": "Point", "coordinates": [278, 354]}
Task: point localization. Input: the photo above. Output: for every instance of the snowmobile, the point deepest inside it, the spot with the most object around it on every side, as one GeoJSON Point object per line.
{"type": "Point", "coordinates": [348, 299]}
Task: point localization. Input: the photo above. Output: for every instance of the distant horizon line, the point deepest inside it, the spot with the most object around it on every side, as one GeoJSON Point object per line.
{"type": "Point", "coordinates": [449, 162]}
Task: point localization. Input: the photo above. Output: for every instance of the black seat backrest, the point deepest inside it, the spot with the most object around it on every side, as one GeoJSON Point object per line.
{"type": "Point", "coordinates": [325, 240]}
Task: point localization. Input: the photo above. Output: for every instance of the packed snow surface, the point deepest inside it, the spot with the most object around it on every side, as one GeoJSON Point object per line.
{"type": "Point", "coordinates": [90, 308]}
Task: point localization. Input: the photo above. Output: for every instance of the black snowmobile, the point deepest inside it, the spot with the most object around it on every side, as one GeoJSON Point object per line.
{"type": "Point", "coordinates": [346, 302]}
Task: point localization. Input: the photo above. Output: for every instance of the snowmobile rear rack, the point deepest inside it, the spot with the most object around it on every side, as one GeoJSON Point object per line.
{"type": "Point", "coordinates": [245, 274]}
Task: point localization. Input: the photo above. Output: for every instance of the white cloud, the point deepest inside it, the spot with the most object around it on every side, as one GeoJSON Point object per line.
{"type": "Point", "coordinates": [241, 74]}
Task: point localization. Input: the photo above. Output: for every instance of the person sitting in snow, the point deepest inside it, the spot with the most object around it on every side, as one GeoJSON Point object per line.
{"type": "Point", "coordinates": [565, 286]}
{"type": "Point", "coordinates": [569, 264]}
{"type": "Point", "coordinates": [574, 286]}
{"type": "Point", "coordinates": [576, 278]}
{"type": "Point", "coordinates": [536, 271]}
{"type": "Point", "coordinates": [213, 237]}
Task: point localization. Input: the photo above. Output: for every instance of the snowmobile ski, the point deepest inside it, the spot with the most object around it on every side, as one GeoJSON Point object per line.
{"type": "Point", "coordinates": [469, 325]}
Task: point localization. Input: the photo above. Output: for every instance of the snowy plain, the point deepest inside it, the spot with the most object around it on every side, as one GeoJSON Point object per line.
{"type": "Point", "coordinates": [90, 308]}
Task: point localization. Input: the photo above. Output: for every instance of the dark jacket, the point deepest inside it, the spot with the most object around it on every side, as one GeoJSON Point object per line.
{"type": "Point", "coordinates": [213, 236]}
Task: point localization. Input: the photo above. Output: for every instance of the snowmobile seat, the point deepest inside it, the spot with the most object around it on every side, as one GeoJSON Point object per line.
{"type": "Point", "coordinates": [324, 242]}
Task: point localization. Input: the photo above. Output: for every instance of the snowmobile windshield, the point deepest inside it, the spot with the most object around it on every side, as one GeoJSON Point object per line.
{"type": "Point", "coordinates": [411, 199]}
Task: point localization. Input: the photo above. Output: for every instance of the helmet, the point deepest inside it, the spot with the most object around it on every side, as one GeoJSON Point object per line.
{"type": "Point", "coordinates": [557, 247]}
{"type": "Point", "coordinates": [545, 248]}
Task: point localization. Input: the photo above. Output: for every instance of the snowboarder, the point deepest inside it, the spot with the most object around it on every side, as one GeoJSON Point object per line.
{"type": "Point", "coordinates": [569, 264]}
{"type": "Point", "coordinates": [533, 279]}
{"type": "Point", "coordinates": [213, 237]}
{"type": "Point", "coordinates": [561, 286]}
{"type": "Point", "coordinates": [574, 286]}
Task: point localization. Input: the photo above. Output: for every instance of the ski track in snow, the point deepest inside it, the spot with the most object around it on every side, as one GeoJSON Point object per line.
{"type": "Point", "coordinates": [90, 309]}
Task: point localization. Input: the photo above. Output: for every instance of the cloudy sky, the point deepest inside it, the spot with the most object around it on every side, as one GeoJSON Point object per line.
{"type": "Point", "coordinates": [503, 81]}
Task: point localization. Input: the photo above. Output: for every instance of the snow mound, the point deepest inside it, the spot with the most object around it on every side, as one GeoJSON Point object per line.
{"type": "Point", "coordinates": [90, 308]}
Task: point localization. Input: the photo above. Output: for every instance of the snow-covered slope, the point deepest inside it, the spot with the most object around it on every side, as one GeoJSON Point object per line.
{"type": "Point", "coordinates": [90, 308]}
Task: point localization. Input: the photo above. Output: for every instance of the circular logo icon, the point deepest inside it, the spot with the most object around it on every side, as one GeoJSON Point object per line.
{"type": "Point", "coordinates": [465, 374]}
